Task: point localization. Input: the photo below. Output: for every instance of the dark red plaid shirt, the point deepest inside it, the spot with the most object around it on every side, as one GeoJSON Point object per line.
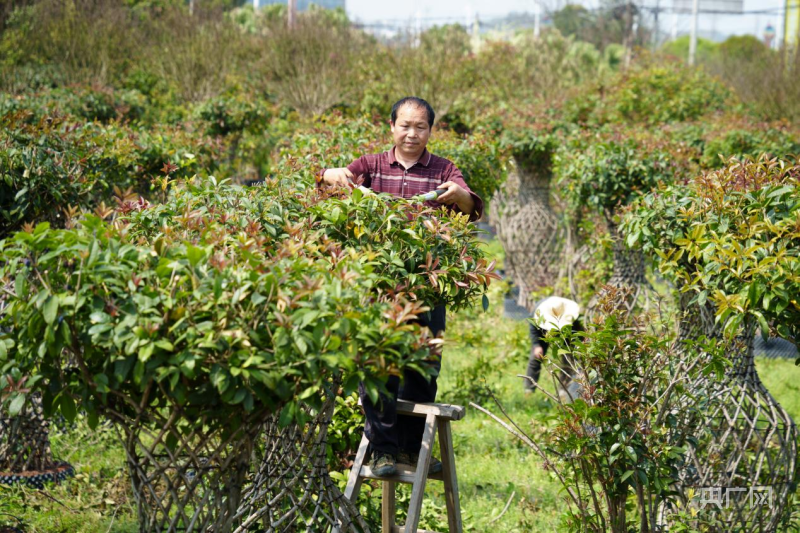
{"type": "Point", "coordinates": [384, 173]}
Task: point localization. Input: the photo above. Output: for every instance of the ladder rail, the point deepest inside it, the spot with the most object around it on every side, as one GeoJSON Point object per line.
{"type": "Point", "coordinates": [437, 419]}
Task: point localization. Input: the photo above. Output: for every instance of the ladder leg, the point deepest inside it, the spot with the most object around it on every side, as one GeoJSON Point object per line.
{"type": "Point", "coordinates": [354, 481]}
{"type": "Point", "coordinates": [421, 475]}
{"type": "Point", "coordinates": [389, 507]}
{"type": "Point", "coordinates": [449, 475]}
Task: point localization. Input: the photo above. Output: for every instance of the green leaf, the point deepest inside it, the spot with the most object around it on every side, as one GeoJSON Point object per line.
{"type": "Point", "coordinates": [334, 343]}
{"type": "Point", "coordinates": [92, 419]}
{"type": "Point", "coordinates": [194, 254]}
{"type": "Point", "coordinates": [762, 322]}
{"type": "Point", "coordinates": [630, 452]}
{"type": "Point", "coordinates": [626, 475]}
{"type": "Point", "coordinates": [50, 309]}
{"type": "Point", "coordinates": [15, 407]}
{"type": "Point", "coordinates": [287, 415]}
{"type": "Point", "coordinates": [145, 352]}
{"type": "Point", "coordinates": [219, 378]}
{"type": "Point", "coordinates": [171, 441]}
{"type": "Point", "coordinates": [239, 396]}
{"type": "Point", "coordinates": [165, 345]}
{"type": "Point", "coordinates": [702, 296]}
{"type": "Point", "coordinates": [68, 408]}
{"type": "Point", "coordinates": [485, 303]}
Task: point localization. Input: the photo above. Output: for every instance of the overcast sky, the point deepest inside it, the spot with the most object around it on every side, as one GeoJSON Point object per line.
{"type": "Point", "coordinates": [443, 11]}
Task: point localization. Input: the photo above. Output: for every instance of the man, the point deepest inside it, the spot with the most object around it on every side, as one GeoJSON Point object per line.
{"type": "Point", "coordinates": [551, 313]}
{"type": "Point", "coordinates": [406, 170]}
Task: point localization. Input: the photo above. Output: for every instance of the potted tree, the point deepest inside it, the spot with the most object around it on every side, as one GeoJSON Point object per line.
{"type": "Point", "coordinates": [605, 172]}
{"type": "Point", "coordinates": [527, 226]}
{"type": "Point", "coordinates": [729, 238]}
{"type": "Point", "coordinates": [196, 323]}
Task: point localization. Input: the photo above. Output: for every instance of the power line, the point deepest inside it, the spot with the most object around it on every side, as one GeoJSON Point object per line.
{"type": "Point", "coordinates": [492, 19]}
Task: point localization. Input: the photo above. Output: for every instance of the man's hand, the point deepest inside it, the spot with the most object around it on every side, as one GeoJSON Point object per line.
{"type": "Point", "coordinates": [538, 352]}
{"type": "Point", "coordinates": [339, 177]}
{"type": "Point", "coordinates": [456, 194]}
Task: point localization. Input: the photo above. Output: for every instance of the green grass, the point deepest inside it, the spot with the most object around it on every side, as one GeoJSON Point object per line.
{"type": "Point", "coordinates": [98, 499]}
{"type": "Point", "coordinates": [782, 379]}
{"type": "Point", "coordinates": [492, 465]}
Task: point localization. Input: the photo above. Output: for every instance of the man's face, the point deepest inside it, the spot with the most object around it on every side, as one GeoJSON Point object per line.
{"type": "Point", "coordinates": [411, 131]}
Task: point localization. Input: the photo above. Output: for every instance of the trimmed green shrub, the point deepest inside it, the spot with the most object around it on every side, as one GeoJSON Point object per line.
{"type": "Point", "coordinates": [225, 298]}
{"type": "Point", "coordinates": [651, 93]}
{"type": "Point", "coordinates": [610, 169]}
{"type": "Point", "coordinates": [748, 140]}
{"type": "Point", "coordinates": [732, 237]}
{"type": "Point", "coordinates": [55, 163]}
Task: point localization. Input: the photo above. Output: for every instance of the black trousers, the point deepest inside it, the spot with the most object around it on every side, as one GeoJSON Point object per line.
{"type": "Point", "coordinates": [387, 432]}
{"type": "Point", "coordinates": [534, 370]}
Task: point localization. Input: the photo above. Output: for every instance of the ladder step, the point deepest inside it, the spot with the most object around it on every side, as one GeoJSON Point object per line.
{"type": "Point", "coordinates": [405, 474]}
{"type": "Point", "coordinates": [402, 529]}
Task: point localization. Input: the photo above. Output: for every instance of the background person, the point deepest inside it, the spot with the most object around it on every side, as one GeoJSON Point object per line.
{"type": "Point", "coordinates": [550, 313]}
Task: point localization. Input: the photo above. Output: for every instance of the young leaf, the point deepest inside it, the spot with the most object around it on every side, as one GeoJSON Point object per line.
{"type": "Point", "coordinates": [50, 309]}
{"type": "Point", "coordinates": [68, 408]}
{"type": "Point", "coordinates": [15, 407]}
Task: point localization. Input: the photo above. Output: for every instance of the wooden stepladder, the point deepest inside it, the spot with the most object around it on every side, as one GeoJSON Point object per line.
{"type": "Point", "coordinates": [437, 417]}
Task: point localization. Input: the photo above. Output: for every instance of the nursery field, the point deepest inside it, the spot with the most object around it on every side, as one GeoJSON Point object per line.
{"type": "Point", "coordinates": [192, 287]}
{"type": "Point", "coordinates": [483, 349]}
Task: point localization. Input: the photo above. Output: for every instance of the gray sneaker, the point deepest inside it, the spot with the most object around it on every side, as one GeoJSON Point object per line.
{"type": "Point", "coordinates": [383, 464]}
{"type": "Point", "coordinates": [412, 459]}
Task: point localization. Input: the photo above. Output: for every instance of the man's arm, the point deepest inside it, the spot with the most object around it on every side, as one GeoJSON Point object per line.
{"type": "Point", "coordinates": [337, 177]}
{"type": "Point", "coordinates": [459, 194]}
{"type": "Point", "coordinates": [538, 344]}
{"type": "Point", "coordinates": [345, 176]}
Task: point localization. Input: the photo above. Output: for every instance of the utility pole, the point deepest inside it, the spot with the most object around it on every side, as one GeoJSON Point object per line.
{"type": "Point", "coordinates": [537, 16]}
{"type": "Point", "coordinates": [674, 30]}
{"type": "Point", "coordinates": [292, 12]}
{"type": "Point", "coordinates": [417, 28]}
{"type": "Point", "coordinates": [628, 34]}
{"type": "Point", "coordinates": [191, 7]}
{"type": "Point", "coordinates": [256, 5]}
{"type": "Point", "coordinates": [693, 38]}
{"type": "Point", "coordinates": [655, 25]}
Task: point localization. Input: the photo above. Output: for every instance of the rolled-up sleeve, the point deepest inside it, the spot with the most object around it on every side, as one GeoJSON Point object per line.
{"type": "Point", "coordinates": [359, 168]}
{"type": "Point", "coordinates": [454, 175]}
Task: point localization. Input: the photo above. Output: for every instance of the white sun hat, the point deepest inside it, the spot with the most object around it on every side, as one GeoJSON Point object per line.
{"type": "Point", "coordinates": [555, 312]}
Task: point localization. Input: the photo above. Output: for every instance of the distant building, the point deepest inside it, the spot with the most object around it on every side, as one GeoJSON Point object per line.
{"type": "Point", "coordinates": [302, 5]}
{"type": "Point", "coordinates": [791, 26]}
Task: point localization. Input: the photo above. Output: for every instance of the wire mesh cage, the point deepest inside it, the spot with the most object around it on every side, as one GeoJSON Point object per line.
{"type": "Point", "coordinates": [628, 273]}
{"type": "Point", "coordinates": [530, 231]}
{"type": "Point", "coordinates": [743, 461]}
{"type": "Point", "coordinates": [187, 473]}
{"type": "Point", "coordinates": [292, 489]}
{"type": "Point", "coordinates": [25, 455]}
{"type": "Point", "coordinates": [742, 456]}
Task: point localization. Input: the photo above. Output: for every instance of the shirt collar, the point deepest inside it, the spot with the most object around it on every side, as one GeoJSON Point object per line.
{"type": "Point", "coordinates": [424, 160]}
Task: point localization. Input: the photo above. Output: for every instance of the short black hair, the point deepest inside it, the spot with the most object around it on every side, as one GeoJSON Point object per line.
{"type": "Point", "coordinates": [413, 100]}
